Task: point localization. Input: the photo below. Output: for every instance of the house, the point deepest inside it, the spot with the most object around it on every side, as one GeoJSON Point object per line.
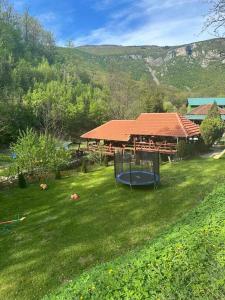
{"type": "Point", "coordinates": [149, 132]}
{"type": "Point", "coordinates": [198, 108]}
{"type": "Point", "coordinates": [196, 102]}
{"type": "Point", "coordinates": [199, 113]}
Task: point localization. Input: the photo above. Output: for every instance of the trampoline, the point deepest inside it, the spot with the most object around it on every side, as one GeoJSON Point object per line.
{"type": "Point", "coordinates": [139, 169]}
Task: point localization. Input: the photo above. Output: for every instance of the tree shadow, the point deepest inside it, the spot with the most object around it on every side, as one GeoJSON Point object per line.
{"type": "Point", "coordinates": [60, 238]}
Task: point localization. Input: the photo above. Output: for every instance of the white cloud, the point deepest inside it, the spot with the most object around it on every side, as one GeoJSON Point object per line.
{"type": "Point", "coordinates": [47, 17]}
{"type": "Point", "coordinates": [156, 24]}
{"type": "Point", "coordinates": [161, 33]}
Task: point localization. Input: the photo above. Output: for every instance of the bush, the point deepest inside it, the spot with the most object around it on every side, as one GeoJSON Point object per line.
{"type": "Point", "coordinates": [106, 161]}
{"type": "Point", "coordinates": [22, 181]}
{"type": "Point", "coordinates": [38, 153]}
{"type": "Point", "coordinates": [182, 149]}
{"type": "Point", "coordinates": [58, 174]}
{"type": "Point", "coordinates": [212, 130]}
{"type": "Point", "coordinates": [186, 262]}
{"type": "Point", "coordinates": [84, 166]}
{"type": "Point", "coordinates": [95, 158]}
{"type": "Point", "coordinates": [185, 149]}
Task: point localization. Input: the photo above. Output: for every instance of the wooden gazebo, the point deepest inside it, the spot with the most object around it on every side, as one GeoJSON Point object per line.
{"type": "Point", "coordinates": [150, 132]}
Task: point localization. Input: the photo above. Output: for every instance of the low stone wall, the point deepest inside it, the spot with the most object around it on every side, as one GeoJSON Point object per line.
{"type": "Point", "coordinates": [8, 181]}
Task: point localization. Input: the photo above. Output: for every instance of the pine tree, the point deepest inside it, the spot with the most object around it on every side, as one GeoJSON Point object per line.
{"type": "Point", "coordinates": [22, 181]}
{"type": "Point", "coordinates": [214, 111]}
{"type": "Point", "coordinates": [212, 128]}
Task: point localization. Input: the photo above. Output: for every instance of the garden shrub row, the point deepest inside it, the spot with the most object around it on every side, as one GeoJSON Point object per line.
{"type": "Point", "coordinates": [186, 262]}
{"type": "Point", "coordinates": [185, 150]}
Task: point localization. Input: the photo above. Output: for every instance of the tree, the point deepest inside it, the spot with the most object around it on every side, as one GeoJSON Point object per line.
{"type": "Point", "coordinates": [214, 111]}
{"type": "Point", "coordinates": [21, 181]}
{"type": "Point", "coordinates": [123, 92]}
{"type": "Point", "coordinates": [38, 154]}
{"type": "Point", "coordinates": [14, 117]}
{"type": "Point", "coordinates": [212, 128]}
{"type": "Point", "coordinates": [26, 150]}
{"type": "Point", "coordinates": [38, 42]}
{"type": "Point", "coordinates": [216, 17]}
{"type": "Point", "coordinates": [70, 44]}
{"type": "Point", "coordinates": [154, 102]}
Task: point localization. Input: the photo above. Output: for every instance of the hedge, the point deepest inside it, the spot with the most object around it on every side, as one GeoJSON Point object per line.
{"type": "Point", "coordinates": [186, 262]}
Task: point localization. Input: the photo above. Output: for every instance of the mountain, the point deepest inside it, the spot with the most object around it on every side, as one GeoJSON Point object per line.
{"type": "Point", "coordinates": [198, 67]}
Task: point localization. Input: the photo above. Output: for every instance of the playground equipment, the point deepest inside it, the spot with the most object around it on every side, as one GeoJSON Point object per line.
{"type": "Point", "coordinates": [13, 221]}
{"type": "Point", "coordinates": [6, 226]}
{"type": "Point", "coordinates": [139, 169]}
{"type": "Point", "coordinates": [219, 155]}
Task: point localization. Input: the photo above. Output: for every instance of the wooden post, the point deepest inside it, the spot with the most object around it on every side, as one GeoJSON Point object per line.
{"type": "Point", "coordinates": [134, 145]}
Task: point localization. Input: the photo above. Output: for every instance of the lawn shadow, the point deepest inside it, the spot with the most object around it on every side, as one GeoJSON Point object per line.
{"type": "Point", "coordinates": [61, 238]}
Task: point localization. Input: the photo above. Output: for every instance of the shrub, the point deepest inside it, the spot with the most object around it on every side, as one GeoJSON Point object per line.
{"type": "Point", "coordinates": [84, 166]}
{"type": "Point", "coordinates": [106, 161]}
{"type": "Point", "coordinates": [212, 128]}
{"type": "Point", "coordinates": [185, 149]}
{"type": "Point", "coordinates": [182, 149]}
{"type": "Point", "coordinates": [38, 153]}
{"type": "Point", "coordinates": [58, 174]}
{"type": "Point", "coordinates": [22, 181]}
{"type": "Point", "coordinates": [95, 158]}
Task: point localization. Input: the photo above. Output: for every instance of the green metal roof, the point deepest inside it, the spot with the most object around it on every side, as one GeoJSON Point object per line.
{"type": "Point", "coordinates": [200, 117]}
{"type": "Point", "coordinates": [202, 101]}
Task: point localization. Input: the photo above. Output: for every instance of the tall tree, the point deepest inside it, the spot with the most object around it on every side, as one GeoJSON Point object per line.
{"type": "Point", "coordinates": [214, 111]}
{"type": "Point", "coordinates": [154, 102]}
{"type": "Point", "coordinates": [212, 128]}
{"type": "Point", "coordinates": [216, 17]}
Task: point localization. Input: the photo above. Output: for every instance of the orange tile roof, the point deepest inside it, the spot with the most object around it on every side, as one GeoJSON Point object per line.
{"type": "Point", "coordinates": [115, 130]}
{"type": "Point", "coordinates": [204, 109]}
{"type": "Point", "coordinates": [147, 124]}
{"type": "Point", "coordinates": [165, 124]}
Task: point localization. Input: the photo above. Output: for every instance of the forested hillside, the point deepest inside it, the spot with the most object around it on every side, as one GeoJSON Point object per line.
{"type": "Point", "coordinates": [191, 67]}
{"type": "Point", "coordinates": [39, 89]}
{"type": "Point", "coordinates": [66, 91]}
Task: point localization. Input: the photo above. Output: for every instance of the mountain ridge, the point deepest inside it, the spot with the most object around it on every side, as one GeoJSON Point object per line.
{"type": "Point", "coordinates": [185, 66]}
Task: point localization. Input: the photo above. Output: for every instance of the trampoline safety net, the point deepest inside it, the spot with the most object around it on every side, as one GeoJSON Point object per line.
{"type": "Point", "coordinates": [139, 169]}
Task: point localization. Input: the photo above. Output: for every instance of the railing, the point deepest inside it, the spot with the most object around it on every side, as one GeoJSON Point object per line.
{"type": "Point", "coordinates": [104, 149]}
{"type": "Point", "coordinates": [161, 147]}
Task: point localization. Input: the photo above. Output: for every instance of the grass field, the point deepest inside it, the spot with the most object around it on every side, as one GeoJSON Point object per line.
{"type": "Point", "coordinates": [184, 262]}
{"type": "Point", "coordinates": [5, 161]}
{"type": "Point", "coordinates": [59, 238]}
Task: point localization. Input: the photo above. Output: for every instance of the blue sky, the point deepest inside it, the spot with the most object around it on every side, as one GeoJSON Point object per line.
{"type": "Point", "coordinates": [123, 22]}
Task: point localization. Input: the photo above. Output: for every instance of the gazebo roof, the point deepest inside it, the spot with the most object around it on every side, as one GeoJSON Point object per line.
{"type": "Point", "coordinates": [147, 124]}
{"type": "Point", "coordinates": [115, 130]}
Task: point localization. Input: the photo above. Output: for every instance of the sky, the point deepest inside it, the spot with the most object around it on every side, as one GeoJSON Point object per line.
{"type": "Point", "coordinates": [120, 22]}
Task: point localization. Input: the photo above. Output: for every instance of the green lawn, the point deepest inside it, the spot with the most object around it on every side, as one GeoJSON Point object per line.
{"type": "Point", "coordinates": [59, 238]}
{"type": "Point", "coordinates": [184, 262]}
{"type": "Point", "coordinates": [5, 161]}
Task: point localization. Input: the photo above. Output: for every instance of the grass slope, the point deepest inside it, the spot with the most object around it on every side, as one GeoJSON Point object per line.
{"type": "Point", "coordinates": [188, 262]}
{"type": "Point", "coordinates": [60, 239]}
